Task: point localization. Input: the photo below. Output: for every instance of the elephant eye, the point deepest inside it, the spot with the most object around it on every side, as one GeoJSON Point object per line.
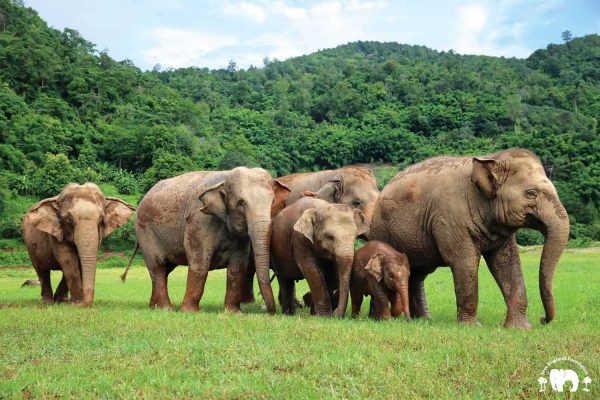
{"type": "Point", "coordinates": [328, 236]}
{"type": "Point", "coordinates": [356, 203]}
{"type": "Point", "coordinates": [531, 193]}
{"type": "Point", "coordinates": [241, 203]}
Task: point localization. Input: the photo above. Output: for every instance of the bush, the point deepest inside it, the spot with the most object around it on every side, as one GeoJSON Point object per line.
{"type": "Point", "coordinates": [529, 237]}
{"type": "Point", "coordinates": [10, 227]}
{"type": "Point", "coordinates": [125, 182]}
{"type": "Point", "coordinates": [54, 175]}
{"type": "Point", "coordinates": [165, 166]}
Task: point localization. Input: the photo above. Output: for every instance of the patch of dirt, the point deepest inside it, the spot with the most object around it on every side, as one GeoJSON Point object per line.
{"type": "Point", "coordinates": [7, 249]}
{"type": "Point", "coordinates": [2, 305]}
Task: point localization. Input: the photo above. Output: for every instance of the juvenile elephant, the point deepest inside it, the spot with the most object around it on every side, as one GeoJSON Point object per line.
{"type": "Point", "coordinates": [209, 220]}
{"type": "Point", "coordinates": [453, 210]}
{"type": "Point", "coordinates": [314, 239]}
{"type": "Point", "coordinates": [65, 232]}
{"type": "Point", "coordinates": [353, 186]}
{"type": "Point", "coordinates": [381, 272]}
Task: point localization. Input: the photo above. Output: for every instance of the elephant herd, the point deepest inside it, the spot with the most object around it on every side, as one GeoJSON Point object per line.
{"type": "Point", "coordinates": [444, 211]}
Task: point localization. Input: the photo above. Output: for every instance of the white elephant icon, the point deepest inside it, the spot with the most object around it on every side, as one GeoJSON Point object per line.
{"type": "Point", "coordinates": [558, 377]}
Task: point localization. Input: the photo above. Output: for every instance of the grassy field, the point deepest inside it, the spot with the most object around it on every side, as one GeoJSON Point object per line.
{"type": "Point", "coordinates": [120, 348]}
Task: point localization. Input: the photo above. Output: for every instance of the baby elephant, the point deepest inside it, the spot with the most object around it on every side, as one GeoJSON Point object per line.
{"type": "Point", "coordinates": [381, 272]}
{"type": "Point", "coordinates": [314, 240]}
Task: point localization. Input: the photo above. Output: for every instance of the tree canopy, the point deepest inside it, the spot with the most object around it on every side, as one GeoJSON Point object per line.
{"type": "Point", "coordinates": [66, 105]}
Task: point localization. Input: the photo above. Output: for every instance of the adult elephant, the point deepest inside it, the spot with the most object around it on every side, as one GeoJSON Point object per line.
{"type": "Point", "coordinates": [65, 232]}
{"type": "Point", "coordinates": [351, 185]}
{"type": "Point", "coordinates": [209, 220]}
{"type": "Point", "coordinates": [453, 210]}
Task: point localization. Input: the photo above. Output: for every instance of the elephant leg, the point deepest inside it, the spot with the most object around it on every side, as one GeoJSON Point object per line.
{"type": "Point", "coordinates": [466, 289]}
{"type": "Point", "coordinates": [196, 280]}
{"type": "Point", "coordinates": [236, 277]}
{"type": "Point", "coordinates": [505, 266]}
{"type": "Point", "coordinates": [356, 297]}
{"type": "Point", "coordinates": [157, 269]}
{"type": "Point", "coordinates": [309, 265]}
{"type": "Point", "coordinates": [418, 301]}
{"type": "Point", "coordinates": [372, 308]}
{"type": "Point", "coordinates": [380, 300]}
{"type": "Point", "coordinates": [287, 295]}
{"type": "Point", "coordinates": [248, 284]}
{"type": "Point", "coordinates": [62, 291]}
{"type": "Point", "coordinates": [46, 286]}
{"type": "Point", "coordinates": [68, 259]}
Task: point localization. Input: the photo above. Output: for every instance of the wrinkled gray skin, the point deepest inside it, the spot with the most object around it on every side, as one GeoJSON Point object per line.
{"type": "Point", "coordinates": [65, 232]}
{"type": "Point", "coordinates": [451, 211]}
{"type": "Point", "coordinates": [353, 186]}
{"type": "Point", "coordinates": [209, 220]}
{"type": "Point", "coordinates": [314, 239]}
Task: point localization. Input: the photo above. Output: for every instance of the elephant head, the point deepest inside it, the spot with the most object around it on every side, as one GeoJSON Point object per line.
{"type": "Point", "coordinates": [353, 186]}
{"type": "Point", "coordinates": [245, 201]}
{"type": "Point", "coordinates": [395, 273]}
{"type": "Point", "coordinates": [81, 215]}
{"type": "Point", "coordinates": [517, 193]}
{"type": "Point", "coordinates": [332, 229]}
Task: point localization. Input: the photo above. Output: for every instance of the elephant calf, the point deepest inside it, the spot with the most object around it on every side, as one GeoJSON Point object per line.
{"type": "Point", "coordinates": [381, 272]}
{"type": "Point", "coordinates": [314, 239]}
{"type": "Point", "coordinates": [64, 233]}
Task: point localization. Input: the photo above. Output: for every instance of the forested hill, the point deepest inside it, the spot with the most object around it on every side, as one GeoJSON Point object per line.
{"type": "Point", "coordinates": [70, 112]}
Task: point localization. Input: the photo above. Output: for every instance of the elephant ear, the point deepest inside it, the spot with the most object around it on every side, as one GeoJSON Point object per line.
{"type": "Point", "coordinates": [361, 222]}
{"type": "Point", "coordinates": [213, 200]}
{"type": "Point", "coordinates": [44, 216]}
{"type": "Point", "coordinates": [306, 224]}
{"type": "Point", "coordinates": [331, 191]}
{"type": "Point", "coordinates": [116, 214]}
{"type": "Point", "coordinates": [374, 268]}
{"type": "Point", "coordinates": [487, 175]}
{"type": "Point", "coordinates": [282, 192]}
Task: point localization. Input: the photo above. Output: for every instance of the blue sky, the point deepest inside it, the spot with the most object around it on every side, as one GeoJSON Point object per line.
{"type": "Point", "coordinates": [179, 33]}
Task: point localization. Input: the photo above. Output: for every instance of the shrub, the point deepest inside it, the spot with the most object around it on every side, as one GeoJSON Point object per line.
{"type": "Point", "coordinates": [54, 175]}
{"type": "Point", "coordinates": [125, 182]}
{"type": "Point", "coordinates": [529, 237]}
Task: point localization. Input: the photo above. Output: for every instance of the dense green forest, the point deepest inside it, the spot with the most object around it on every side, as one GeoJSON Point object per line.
{"type": "Point", "coordinates": [69, 112]}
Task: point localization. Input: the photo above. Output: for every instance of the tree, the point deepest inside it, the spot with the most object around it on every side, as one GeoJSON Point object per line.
{"type": "Point", "coordinates": [567, 36]}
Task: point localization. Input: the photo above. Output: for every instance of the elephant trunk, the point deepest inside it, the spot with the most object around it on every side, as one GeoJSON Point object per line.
{"type": "Point", "coordinates": [344, 265]}
{"type": "Point", "coordinates": [87, 241]}
{"type": "Point", "coordinates": [555, 228]}
{"type": "Point", "coordinates": [260, 235]}
{"type": "Point", "coordinates": [402, 288]}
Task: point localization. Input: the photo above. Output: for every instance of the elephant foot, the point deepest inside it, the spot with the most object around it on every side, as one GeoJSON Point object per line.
{"type": "Point", "coordinates": [163, 306]}
{"type": "Point", "coordinates": [47, 300]}
{"type": "Point", "coordinates": [518, 323]}
{"type": "Point", "coordinates": [233, 309]}
{"type": "Point", "coordinates": [185, 307]}
{"type": "Point", "coordinates": [61, 299]}
{"type": "Point", "coordinates": [469, 321]}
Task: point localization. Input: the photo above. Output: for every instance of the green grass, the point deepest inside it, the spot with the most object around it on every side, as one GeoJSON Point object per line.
{"type": "Point", "coordinates": [120, 348]}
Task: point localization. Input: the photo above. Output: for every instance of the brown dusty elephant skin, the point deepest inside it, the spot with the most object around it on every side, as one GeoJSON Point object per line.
{"type": "Point", "coordinates": [381, 272]}
{"type": "Point", "coordinates": [64, 233]}
{"type": "Point", "coordinates": [451, 211]}
{"type": "Point", "coordinates": [314, 240]}
{"type": "Point", "coordinates": [353, 186]}
{"type": "Point", "coordinates": [209, 220]}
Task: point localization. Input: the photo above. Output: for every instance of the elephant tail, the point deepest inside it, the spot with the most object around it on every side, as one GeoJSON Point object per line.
{"type": "Point", "coordinates": [135, 249]}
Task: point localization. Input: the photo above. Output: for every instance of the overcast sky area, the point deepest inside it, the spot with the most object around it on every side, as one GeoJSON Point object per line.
{"type": "Point", "coordinates": [180, 33]}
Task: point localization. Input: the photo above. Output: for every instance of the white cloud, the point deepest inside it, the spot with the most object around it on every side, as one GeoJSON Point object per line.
{"type": "Point", "coordinates": [245, 9]}
{"type": "Point", "coordinates": [180, 48]}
